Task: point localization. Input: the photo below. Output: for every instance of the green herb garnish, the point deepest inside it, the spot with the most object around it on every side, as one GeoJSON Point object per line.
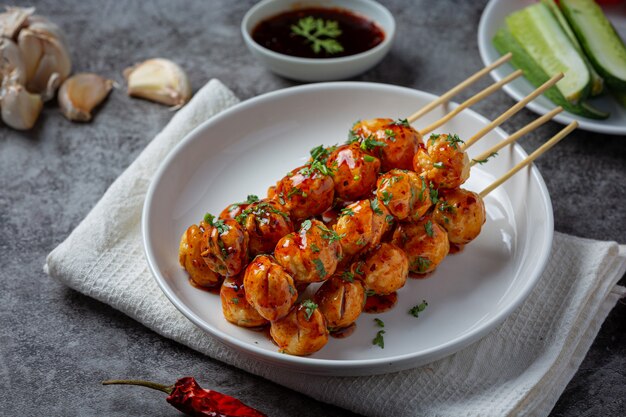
{"type": "Point", "coordinates": [309, 308]}
{"type": "Point", "coordinates": [387, 196]}
{"type": "Point", "coordinates": [370, 143]}
{"type": "Point", "coordinates": [416, 310]}
{"type": "Point", "coordinates": [379, 322]}
{"type": "Point", "coordinates": [421, 264]}
{"type": "Point", "coordinates": [330, 235]}
{"type": "Point", "coordinates": [401, 122]}
{"type": "Point", "coordinates": [368, 158]}
{"type": "Point", "coordinates": [483, 161]}
{"type": "Point", "coordinates": [375, 206]}
{"type": "Point", "coordinates": [428, 226]}
{"type": "Point", "coordinates": [347, 276]}
{"type": "Point", "coordinates": [438, 165]}
{"type": "Point", "coordinates": [319, 33]}
{"type": "Point", "coordinates": [379, 340]}
{"type": "Point", "coordinates": [319, 266]}
{"type": "Point", "coordinates": [453, 139]}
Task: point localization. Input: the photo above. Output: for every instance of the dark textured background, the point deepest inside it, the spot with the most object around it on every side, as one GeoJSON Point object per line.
{"type": "Point", "coordinates": [56, 345]}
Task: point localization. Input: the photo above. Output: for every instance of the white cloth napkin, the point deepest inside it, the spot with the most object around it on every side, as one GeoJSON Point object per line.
{"type": "Point", "coordinates": [521, 368]}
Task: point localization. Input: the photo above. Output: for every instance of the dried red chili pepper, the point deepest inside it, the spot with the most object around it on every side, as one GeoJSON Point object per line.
{"type": "Point", "coordinates": [187, 396]}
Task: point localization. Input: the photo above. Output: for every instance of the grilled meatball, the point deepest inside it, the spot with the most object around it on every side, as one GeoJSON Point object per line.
{"type": "Point", "coordinates": [269, 288]}
{"type": "Point", "coordinates": [461, 213]}
{"type": "Point", "coordinates": [311, 255]}
{"type": "Point", "coordinates": [190, 258]}
{"type": "Point", "coordinates": [355, 172]}
{"type": "Point", "coordinates": [394, 142]}
{"type": "Point", "coordinates": [404, 193]}
{"type": "Point", "coordinates": [306, 191]}
{"type": "Point", "coordinates": [362, 225]}
{"type": "Point", "coordinates": [424, 242]}
{"type": "Point", "coordinates": [442, 161]}
{"type": "Point", "coordinates": [340, 300]}
{"type": "Point", "coordinates": [302, 332]}
{"type": "Point", "coordinates": [235, 307]}
{"type": "Point", "coordinates": [385, 269]}
{"type": "Point", "coordinates": [225, 247]}
{"type": "Point", "coordinates": [266, 222]}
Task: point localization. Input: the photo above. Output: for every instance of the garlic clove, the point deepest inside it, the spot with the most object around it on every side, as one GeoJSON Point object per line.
{"type": "Point", "coordinates": [43, 56]}
{"type": "Point", "coordinates": [13, 19]}
{"type": "Point", "coordinates": [20, 109]}
{"type": "Point", "coordinates": [81, 93]}
{"type": "Point", "coordinates": [11, 61]}
{"type": "Point", "coordinates": [159, 80]}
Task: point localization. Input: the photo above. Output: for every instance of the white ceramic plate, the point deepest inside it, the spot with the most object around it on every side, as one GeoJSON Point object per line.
{"type": "Point", "coordinates": [250, 146]}
{"type": "Point", "coordinates": [493, 18]}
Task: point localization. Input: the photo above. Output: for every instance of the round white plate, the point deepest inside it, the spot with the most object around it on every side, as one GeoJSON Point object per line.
{"type": "Point", "coordinates": [493, 18]}
{"type": "Point", "coordinates": [252, 145]}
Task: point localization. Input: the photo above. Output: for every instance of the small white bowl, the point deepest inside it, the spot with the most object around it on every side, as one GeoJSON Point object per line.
{"type": "Point", "coordinates": [319, 69]}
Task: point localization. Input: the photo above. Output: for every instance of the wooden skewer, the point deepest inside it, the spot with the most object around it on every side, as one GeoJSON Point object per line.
{"type": "Point", "coordinates": [513, 110]}
{"type": "Point", "coordinates": [540, 151]}
{"type": "Point", "coordinates": [472, 100]}
{"type": "Point", "coordinates": [515, 136]}
{"type": "Point", "coordinates": [458, 88]}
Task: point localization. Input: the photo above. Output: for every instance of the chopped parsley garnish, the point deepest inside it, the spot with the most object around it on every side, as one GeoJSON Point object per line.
{"type": "Point", "coordinates": [391, 135]}
{"type": "Point", "coordinates": [320, 153]}
{"type": "Point", "coordinates": [379, 322]}
{"type": "Point", "coordinates": [370, 143]}
{"type": "Point", "coordinates": [361, 241]}
{"type": "Point", "coordinates": [347, 212]}
{"type": "Point", "coordinates": [434, 195]}
{"type": "Point", "coordinates": [315, 248]}
{"type": "Point", "coordinates": [292, 290]}
{"type": "Point", "coordinates": [375, 206]}
{"type": "Point", "coordinates": [438, 165]}
{"type": "Point", "coordinates": [309, 308]}
{"type": "Point", "coordinates": [421, 264]}
{"type": "Point", "coordinates": [379, 340]}
{"type": "Point", "coordinates": [316, 165]}
{"type": "Point", "coordinates": [453, 139]}
{"type": "Point", "coordinates": [359, 271]}
{"type": "Point", "coordinates": [235, 300]}
{"type": "Point", "coordinates": [356, 177]}
{"type": "Point", "coordinates": [483, 161]}
{"type": "Point", "coordinates": [433, 137]}
{"type": "Point", "coordinates": [295, 191]}
{"type": "Point", "coordinates": [347, 276]}
{"type": "Point", "coordinates": [387, 196]}
{"type": "Point", "coordinates": [401, 122]}
{"type": "Point", "coordinates": [259, 209]}
{"type": "Point", "coordinates": [428, 226]}
{"type": "Point", "coordinates": [208, 218]}
{"type": "Point", "coordinates": [306, 225]}
{"type": "Point", "coordinates": [319, 266]}
{"type": "Point", "coordinates": [320, 33]}
{"type": "Point", "coordinates": [421, 194]}
{"type": "Point", "coordinates": [416, 310]}
{"type": "Point", "coordinates": [445, 206]}
{"type": "Point", "coordinates": [330, 235]}
{"type": "Point", "coordinates": [252, 199]}
{"type": "Point", "coordinates": [368, 158]}
{"type": "Point", "coordinates": [369, 293]}
{"type": "Point", "coordinates": [389, 219]}
{"type": "Point", "coordinates": [352, 137]}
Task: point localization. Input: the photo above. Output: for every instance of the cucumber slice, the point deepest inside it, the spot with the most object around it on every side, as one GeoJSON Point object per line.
{"type": "Point", "coordinates": [597, 83]}
{"type": "Point", "coordinates": [504, 42]}
{"type": "Point", "coordinates": [537, 30]}
{"type": "Point", "coordinates": [601, 43]}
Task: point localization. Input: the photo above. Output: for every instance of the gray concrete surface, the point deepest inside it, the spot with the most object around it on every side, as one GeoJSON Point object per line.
{"type": "Point", "coordinates": [56, 345]}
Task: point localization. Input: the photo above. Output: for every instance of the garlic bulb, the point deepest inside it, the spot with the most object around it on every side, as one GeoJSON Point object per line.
{"type": "Point", "coordinates": [11, 61]}
{"type": "Point", "coordinates": [81, 93]}
{"type": "Point", "coordinates": [159, 80]}
{"type": "Point", "coordinates": [12, 20]}
{"type": "Point", "coordinates": [45, 54]}
{"type": "Point", "coordinates": [20, 109]}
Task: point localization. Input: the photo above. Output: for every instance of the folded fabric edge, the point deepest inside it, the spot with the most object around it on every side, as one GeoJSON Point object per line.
{"type": "Point", "coordinates": [555, 380]}
{"type": "Point", "coordinates": [554, 392]}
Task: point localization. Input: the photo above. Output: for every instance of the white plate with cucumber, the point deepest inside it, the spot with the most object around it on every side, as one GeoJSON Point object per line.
{"type": "Point", "coordinates": [573, 39]}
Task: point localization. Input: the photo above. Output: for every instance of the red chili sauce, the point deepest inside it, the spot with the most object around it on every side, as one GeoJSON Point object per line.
{"type": "Point", "coordinates": [357, 34]}
{"type": "Point", "coordinates": [380, 303]}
